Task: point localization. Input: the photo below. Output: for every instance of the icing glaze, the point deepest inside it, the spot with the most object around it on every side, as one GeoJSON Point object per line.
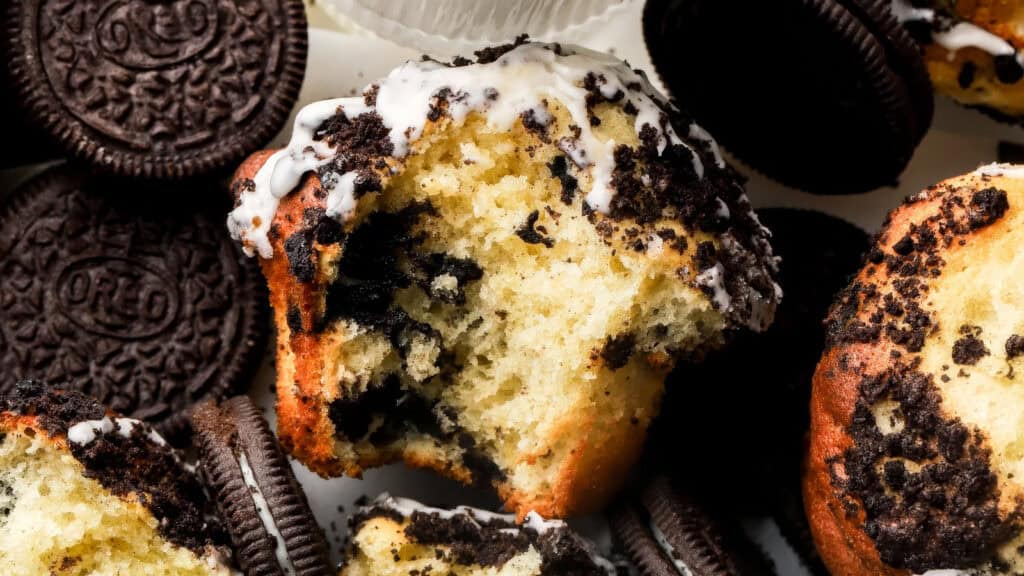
{"type": "Point", "coordinates": [522, 81]}
{"type": "Point", "coordinates": [960, 35]}
{"type": "Point", "coordinates": [87, 431]}
{"type": "Point", "coordinates": [263, 510]}
{"type": "Point", "coordinates": [1005, 170]}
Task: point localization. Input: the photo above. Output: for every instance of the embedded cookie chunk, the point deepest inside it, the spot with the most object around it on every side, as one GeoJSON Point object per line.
{"type": "Point", "coordinates": [488, 268]}
{"type": "Point", "coordinates": [398, 536]}
{"type": "Point", "coordinates": [916, 460]}
{"type": "Point", "coordinates": [83, 491]}
{"type": "Point", "coordinates": [973, 50]}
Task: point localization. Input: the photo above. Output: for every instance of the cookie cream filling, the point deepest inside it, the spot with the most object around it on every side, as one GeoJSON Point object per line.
{"type": "Point", "coordinates": [517, 85]}
{"type": "Point", "coordinates": [266, 518]}
{"type": "Point", "coordinates": [669, 550]}
{"type": "Point", "coordinates": [534, 521]}
{"type": "Point", "coordinates": [87, 431]}
{"type": "Point", "coordinates": [958, 36]}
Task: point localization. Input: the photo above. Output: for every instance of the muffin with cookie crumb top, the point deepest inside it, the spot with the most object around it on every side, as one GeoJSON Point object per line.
{"type": "Point", "coordinates": [85, 491]}
{"type": "Point", "coordinates": [974, 50]}
{"type": "Point", "coordinates": [487, 267]}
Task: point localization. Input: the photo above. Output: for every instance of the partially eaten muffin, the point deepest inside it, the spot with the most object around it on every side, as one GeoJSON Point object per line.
{"type": "Point", "coordinates": [397, 536]}
{"type": "Point", "coordinates": [487, 268]}
{"type": "Point", "coordinates": [83, 491]}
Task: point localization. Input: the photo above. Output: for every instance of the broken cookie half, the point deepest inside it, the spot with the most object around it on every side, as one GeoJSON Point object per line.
{"type": "Point", "coordinates": [487, 268]}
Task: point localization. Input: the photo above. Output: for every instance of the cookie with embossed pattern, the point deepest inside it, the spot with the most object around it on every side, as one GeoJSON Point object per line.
{"type": "Point", "coordinates": [261, 502]}
{"type": "Point", "coordinates": [162, 90]}
{"type": "Point", "coordinates": [665, 531]}
{"type": "Point", "coordinates": [139, 299]}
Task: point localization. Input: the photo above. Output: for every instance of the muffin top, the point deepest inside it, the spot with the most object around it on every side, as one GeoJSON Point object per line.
{"type": "Point", "coordinates": [675, 175]}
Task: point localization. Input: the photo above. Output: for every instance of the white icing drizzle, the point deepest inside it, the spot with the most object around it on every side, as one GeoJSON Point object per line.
{"type": "Point", "coordinates": [946, 572]}
{"type": "Point", "coordinates": [669, 550]}
{"type": "Point", "coordinates": [263, 510]}
{"type": "Point", "coordinates": [961, 35]}
{"type": "Point", "coordinates": [534, 521]}
{"type": "Point", "coordinates": [87, 431]}
{"type": "Point", "coordinates": [1005, 170]}
{"type": "Point", "coordinates": [714, 278]}
{"type": "Point", "coordinates": [521, 81]}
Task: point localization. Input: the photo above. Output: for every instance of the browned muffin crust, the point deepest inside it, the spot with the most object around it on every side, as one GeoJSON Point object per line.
{"type": "Point", "coordinates": [922, 494]}
{"type": "Point", "coordinates": [124, 465]}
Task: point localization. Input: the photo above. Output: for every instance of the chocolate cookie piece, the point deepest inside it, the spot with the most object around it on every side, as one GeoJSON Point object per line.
{"type": "Point", "coordinates": [138, 299]}
{"type": "Point", "coordinates": [263, 506]}
{"type": "Point", "coordinates": [824, 95]}
{"type": "Point", "coordinates": [161, 90]}
{"type": "Point", "coordinates": [753, 397]}
{"type": "Point", "coordinates": [667, 533]}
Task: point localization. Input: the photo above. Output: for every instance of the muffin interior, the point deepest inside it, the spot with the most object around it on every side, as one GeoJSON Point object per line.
{"type": "Point", "coordinates": [479, 296]}
{"type": "Point", "coordinates": [54, 520]}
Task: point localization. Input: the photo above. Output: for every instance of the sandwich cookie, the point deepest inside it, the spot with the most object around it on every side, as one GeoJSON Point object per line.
{"type": "Point", "coordinates": [666, 533]}
{"type": "Point", "coordinates": [265, 510]}
{"type": "Point", "coordinates": [162, 90]}
{"type": "Point", "coordinates": [754, 395]}
{"type": "Point", "coordinates": [829, 96]}
{"type": "Point", "coordinates": [140, 300]}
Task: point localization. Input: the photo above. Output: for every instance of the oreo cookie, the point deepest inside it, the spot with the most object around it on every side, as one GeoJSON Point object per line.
{"type": "Point", "coordinates": [263, 506]}
{"type": "Point", "coordinates": [162, 90]}
{"type": "Point", "coordinates": [137, 298]}
{"type": "Point", "coordinates": [665, 532]}
{"type": "Point", "coordinates": [830, 96]}
{"type": "Point", "coordinates": [1010, 153]}
{"type": "Point", "coordinates": [751, 400]}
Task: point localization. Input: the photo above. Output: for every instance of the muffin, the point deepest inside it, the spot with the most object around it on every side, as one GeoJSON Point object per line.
{"type": "Point", "coordinates": [487, 268]}
{"type": "Point", "coordinates": [397, 536]}
{"type": "Point", "coordinates": [83, 491]}
{"type": "Point", "coordinates": [916, 460]}
{"type": "Point", "coordinates": [972, 50]}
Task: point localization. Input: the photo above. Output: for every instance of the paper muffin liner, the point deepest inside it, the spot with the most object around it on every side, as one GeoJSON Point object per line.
{"type": "Point", "coordinates": [450, 27]}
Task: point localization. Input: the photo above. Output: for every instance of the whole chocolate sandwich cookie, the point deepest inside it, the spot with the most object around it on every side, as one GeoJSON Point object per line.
{"type": "Point", "coordinates": [915, 463]}
{"type": "Point", "coordinates": [754, 396]}
{"type": "Point", "coordinates": [138, 299]}
{"type": "Point", "coordinates": [261, 503]}
{"type": "Point", "coordinates": [163, 90]}
{"type": "Point", "coordinates": [86, 491]}
{"type": "Point", "coordinates": [974, 50]}
{"type": "Point", "coordinates": [400, 536]}
{"type": "Point", "coordinates": [757, 410]}
{"type": "Point", "coordinates": [667, 533]}
{"type": "Point", "coordinates": [801, 90]}
{"type": "Point", "coordinates": [488, 267]}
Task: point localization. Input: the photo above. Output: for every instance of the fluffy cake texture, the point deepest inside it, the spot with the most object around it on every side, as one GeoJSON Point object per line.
{"type": "Point", "coordinates": [85, 492]}
{"type": "Point", "coordinates": [488, 268]}
{"type": "Point", "coordinates": [397, 537]}
{"type": "Point", "coordinates": [973, 50]}
{"type": "Point", "coordinates": [916, 458]}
